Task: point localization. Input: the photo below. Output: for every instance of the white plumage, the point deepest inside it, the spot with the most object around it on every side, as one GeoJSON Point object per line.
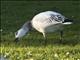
{"type": "Point", "coordinates": [47, 22]}
{"type": "Point", "coordinates": [44, 22]}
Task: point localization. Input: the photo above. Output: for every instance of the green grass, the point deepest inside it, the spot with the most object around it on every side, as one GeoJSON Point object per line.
{"type": "Point", "coordinates": [31, 47]}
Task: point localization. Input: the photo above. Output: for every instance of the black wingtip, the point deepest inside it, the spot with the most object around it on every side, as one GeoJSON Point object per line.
{"type": "Point", "coordinates": [68, 20]}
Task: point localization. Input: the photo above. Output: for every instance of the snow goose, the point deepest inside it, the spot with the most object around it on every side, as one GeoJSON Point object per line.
{"type": "Point", "coordinates": [44, 22]}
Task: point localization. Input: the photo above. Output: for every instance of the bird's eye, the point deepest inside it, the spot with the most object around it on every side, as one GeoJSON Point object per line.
{"type": "Point", "coordinates": [16, 33]}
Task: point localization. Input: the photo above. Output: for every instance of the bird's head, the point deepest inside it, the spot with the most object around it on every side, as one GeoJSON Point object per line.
{"type": "Point", "coordinates": [22, 31]}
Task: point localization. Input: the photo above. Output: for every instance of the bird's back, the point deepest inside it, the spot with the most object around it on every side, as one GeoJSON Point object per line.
{"type": "Point", "coordinates": [47, 21]}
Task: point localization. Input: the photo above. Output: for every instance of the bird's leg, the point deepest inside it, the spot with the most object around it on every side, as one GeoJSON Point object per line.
{"type": "Point", "coordinates": [44, 35]}
{"type": "Point", "coordinates": [61, 35]}
{"type": "Point", "coordinates": [45, 38]}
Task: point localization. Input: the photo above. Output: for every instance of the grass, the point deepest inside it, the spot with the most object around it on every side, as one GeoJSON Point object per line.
{"type": "Point", "coordinates": [31, 46]}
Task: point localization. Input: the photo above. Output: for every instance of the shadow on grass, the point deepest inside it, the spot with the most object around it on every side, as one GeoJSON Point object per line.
{"type": "Point", "coordinates": [41, 42]}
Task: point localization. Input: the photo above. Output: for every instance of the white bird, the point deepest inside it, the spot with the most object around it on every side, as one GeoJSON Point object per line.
{"type": "Point", "coordinates": [44, 22]}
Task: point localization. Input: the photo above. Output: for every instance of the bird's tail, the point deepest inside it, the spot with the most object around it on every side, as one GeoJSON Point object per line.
{"type": "Point", "coordinates": [67, 21]}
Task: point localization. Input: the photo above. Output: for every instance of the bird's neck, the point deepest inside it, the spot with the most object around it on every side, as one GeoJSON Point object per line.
{"type": "Point", "coordinates": [27, 26]}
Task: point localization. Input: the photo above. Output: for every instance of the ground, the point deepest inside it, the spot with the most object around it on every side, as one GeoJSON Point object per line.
{"type": "Point", "coordinates": [31, 47]}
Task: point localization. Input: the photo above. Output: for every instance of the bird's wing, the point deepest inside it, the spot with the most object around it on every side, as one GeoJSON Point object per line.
{"type": "Point", "coordinates": [53, 19]}
{"type": "Point", "coordinates": [57, 18]}
{"type": "Point", "coordinates": [47, 19]}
